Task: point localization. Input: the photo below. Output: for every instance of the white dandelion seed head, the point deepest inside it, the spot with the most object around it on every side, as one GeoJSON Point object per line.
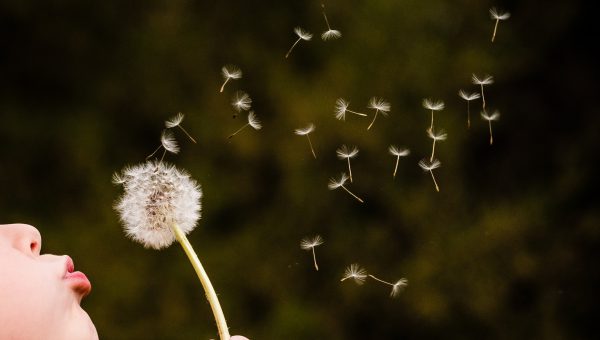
{"type": "Point", "coordinates": [331, 34]}
{"type": "Point", "coordinates": [302, 34]}
{"type": "Point", "coordinates": [441, 134]}
{"type": "Point", "coordinates": [253, 121]}
{"type": "Point", "coordinates": [241, 101]}
{"type": "Point", "coordinates": [496, 14]}
{"type": "Point", "coordinates": [346, 152]}
{"type": "Point", "coordinates": [334, 184]}
{"type": "Point", "coordinates": [341, 105]}
{"type": "Point", "coordinates": [117, 179]}
{"type": "Point", "coordinates": [493, 116]}
{"type": "Point", "coordinates": [398, 286]}
{"type": "Point", "coordinates": [468, 96]}
{"type": "Point", "coordinates": [435, 105]}
{"type": "Point", "coordinates": [167, 140]}
{"type": "Point", "coordinates": [379, 104]}
{"type": "Point", "coordinates": [157, 196]}
{"type": "Point", "coordinates": [399, 152]}
{"type": "Point", "coordinates": [231, 72]}
{"type": "Point", "coordinates": [309, 243]}
{"type": "Point", "coordinates": [175, 121]}
{"type": "Point", "coordinates": [305, 131]}
{"type": "Point", "coordinates": [485, 80]}
{"type": "Point", "coordinates": [356, 273]}
{"type": "Point", "coordinates": [428, 166]}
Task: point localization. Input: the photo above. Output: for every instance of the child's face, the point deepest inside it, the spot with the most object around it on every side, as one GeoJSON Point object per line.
{"type": "Point", "coordinates": [39, 294]}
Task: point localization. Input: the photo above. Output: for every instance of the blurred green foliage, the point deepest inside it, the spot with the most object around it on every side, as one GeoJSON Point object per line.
{"type": "Point", "coordinates": [506, 250]}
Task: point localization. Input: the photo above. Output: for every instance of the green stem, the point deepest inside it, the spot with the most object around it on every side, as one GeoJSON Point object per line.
{"type": "Point", "coordinates": [211, 295]}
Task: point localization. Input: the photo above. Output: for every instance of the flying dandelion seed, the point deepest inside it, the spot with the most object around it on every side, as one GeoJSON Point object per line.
{"type": "Point", "coordinates": [346, 153]}
{"type": "Point", "coordinates": [252, 121]}
{"type": "Point", "coordinates": [430, 166]}
{"type": "Point", "coordinates": [486, 80]}
{"type": "Point", "coordinates": [341, 107]}
{"type": "Point", "coordinates": [311, 244]}
{"type": "Point", "coordinates": [306, 132]}
{"type": "Point", "coordinates": [230, 72]}
{"type": "Point", "coordinates": [330, 33]}
{"type": "Point", "coordinates": [490, 118]}
{"type": "Point", "coordinates": [241, 101]}
{"type": "Point", "coordinates": [356, 273]}
{"type": "Point", "coordinates": [161, 204]}
{"type": "Point", "coordinates": [441, 135]}
{"type": "Point", "coordinates": [398, 153]}
{"type": "Point", "coordinates": [302, 35]}
{"type": "Point", "coordinates": [379, 105]}
{"type": "Point", "coordinates": [333, 184]}
{"type": "Point", "coordinates": [432, 105]}
{"type": "Point", "coordinates": [497, 16]}
{"type": "Point", "coordinates": [468, 97]}
{"type": "Point", "coordinates": [396, 286]}
{"type": "Point", "coordinates": [168, 143]}
{"type": "Point", "coordinates": [176, 122]}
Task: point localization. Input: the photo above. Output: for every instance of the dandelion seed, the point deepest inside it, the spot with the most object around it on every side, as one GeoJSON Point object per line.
{"type": "Point", "coordinates": [430, 166]}
{"type": "Point", "coordinates": [176, 122]}
{"type": "Point", "coordinates": [341, 107]}
{"type": "Point", "coordinates": [441, 135]}
{"type": "Point", "coordinates": [396, 286]}
{"type": "Point", "coordinates": [161, 204]}
{"type": "Point", "coordinates": [345, 153]}
{"type": "Point", "coordinates": [333, 184]}
{"type": "Point", "coordinates": [398, 153]}
{"type": "Point", "coordinates": [486, 80]}
{"type": "Point", "coordinates": [356, 273]}
{"type": "Point", "coordinates": [230, 72]}
{"type": "Point", "coordinates": [497, 15]}
{"type": "Point", "coordinates": [379, 105]}
{"type": "Point", "coordinates": [468, 97]}
{"type": "Point", "coordinates": [489, 118]}
{"type": "Point", "coordinates": [305, 132]}
{"type": "Point", "coordinates": [302, 35]}
{"type": "Point", "coordinates": [432, 105]}
{"type": "Point", "coordinates": [168, 143]}
{"type": "Point", "coordinates": [330, 33]}
{"type": "Point", "coordinates": [252, 121]}
{"type": "Point", "coordinates": [241, 101]}
{"type": "Point", "coordinates": [311, 244]}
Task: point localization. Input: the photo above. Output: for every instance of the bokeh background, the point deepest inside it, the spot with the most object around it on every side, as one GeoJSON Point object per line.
{"type": "Point", "coordinates": [507, 249]}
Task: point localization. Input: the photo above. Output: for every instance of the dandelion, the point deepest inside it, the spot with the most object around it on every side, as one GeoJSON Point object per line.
{"type": "Point", "coordinates": [489, 118]}
{"type": "Point", "coordinates": [168, 143]}
{"type": "Point", "coordinates": [398, 153]}
{"type": "Point", "coordinates": [396, 286]}
{"type": "Point", "coordinates": [432, 105]}
{"type": "Point", "coordinates": [333, 184]}
{"type": "Point", "coordinates": [330, 33]}
{"type": "Point", "coordinates": [230, 72]}
{"type": "Point", "coordinates": [252, 121]}
{"type": "Point", "coordinates": [378, 105]}
{"type": "Point", "coordinates": [341, 107]}
{"type": "Point", "coordinates": [302, 35]}
{"type": "Point", "coordinates": [311, 244]}
{"type": "Point", "coordinates": [345, 153]}
{"type": "Point", "coordinates": [161, 204]}
{"type": "Point", "coordinates": [441, 135]}
{"type": "Point", "coordinates": [429, 166]}
{"type": "Point", "coordinates": [468, 97]}
{"type": "Point", "coordinates": [486, 80]}
{"type": "Point", "coordinates": [305, 132]}
{"type": "Point", "coordinates": [497, 15]}
{"type": "Point", "coordinates": [356, 273]}
{"type": "Point", "coordinates": [241, 101]}
{"type": "Point", "coordinates": [176, 122]}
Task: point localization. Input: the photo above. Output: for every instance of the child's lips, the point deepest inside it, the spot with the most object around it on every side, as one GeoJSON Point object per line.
{"type": "Point", "coordinates": [76, 279]}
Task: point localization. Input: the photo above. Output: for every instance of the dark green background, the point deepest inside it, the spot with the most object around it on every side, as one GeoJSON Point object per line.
{"type": "Point", "coordinates": [506, 250]}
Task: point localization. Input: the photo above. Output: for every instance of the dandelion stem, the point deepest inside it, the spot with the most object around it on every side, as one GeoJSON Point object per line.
{"type": "Point", "coordinates": [380, 280]}
{"type": "Point", "coordinates": [432, 151]}
{"type": "Point", "coordinates": [495, 28]}
{"type": "Point", "coordinates": [223, 86]}
{"type": "Point", "coordinates": [187, 134]}
{"type": "Point", "coordinates": [163, 155]}
{"type": "Point", "coordinates": [353, 195]}
{"type": "Point", "coordinates": [373, 121]}
{"type": "Point", "coordinates": [396, 167]}
{"type": "Point", "coordinates": [491, 135]}
{"type": "Point", "coordinates": [468, 114]}
{"type": "Point", "coordinates": [482, 97]}
{"type": "Point", "coordinates": [431, 127]}
{"type": "Point", "coordinates": [311, 148]}
{"type": "Point", "coordinates": [235, 133]}
{"type": "Point", "coordinates": [325, 16]}
{"type": "Point", "coordinates": [315, 259]}
{"type": "Point", "coordinates": [211, 295]}
{"type": "Point", "coordinates": [155, 151]}
{"type": "Point", "coordinates": [437, 188]}
{"type": "Point", "coordinates": [291, 48]}
{"type": "Point", "coordinates": [349, 169]}
{"type": "Point", "coordinates": [357, 113]}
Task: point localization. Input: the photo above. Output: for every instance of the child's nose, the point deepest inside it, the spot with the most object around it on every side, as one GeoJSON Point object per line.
{"type": "Point", "coordinates": [22, 237]}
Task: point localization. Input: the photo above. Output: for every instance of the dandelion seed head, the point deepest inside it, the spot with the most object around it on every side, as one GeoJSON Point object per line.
{"type": "Point", "coordinates": [156, 196]}
{"type": "Point", "coordinates": [493, 116]}
{"type": "Point", "coordinates": [302, 34]}
{"type": "Point", "coordinates": [345, 152]}
{"type": "Point", "coordinates": [231, 72]}
{"type": "Point", "coordinates": [468, 96]}
{"type": "Point", "coordinates": [241, 101]}
{"type": "Point", "coordinates": [379, 104]}
{"type": "Point", "coordinates": [485, 80]}
{"type": "Point", "coordinates": [428, 166]}
{"type": "Point", "coordinates": [305, 131]}
{"type": "Point", "coordinates": [253, 121]}
{"type": "Point", "coordinates": [167, 140]}
{"type": "Point", "coordinates": [496, 14]}
{"type": "Point", "coordinates": [334, 184]}
{"type": "Point", "coordinates": [430, 104]}
{"type": "Point", "coordinates": [356, 273]}
{"type": "Point", "coordinates": [341, 105]}
{"type": "Point", "coordinates": [398, 286]}
{"type": "Point", "coordinates": [309, 243]}
{"type": "Point", "coordinates": [402, 152]}
{"type": "Point", "coordinates": [441, 134]}
{"type": "Point", "coordinates": [331, 34]}
{"type": "Point", "coordinates": [175, 121]}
